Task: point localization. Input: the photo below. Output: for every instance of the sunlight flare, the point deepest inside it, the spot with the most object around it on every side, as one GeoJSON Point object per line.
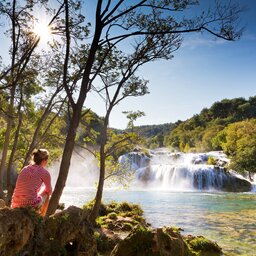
{"type": "Point", "coordinates": [43, 30]}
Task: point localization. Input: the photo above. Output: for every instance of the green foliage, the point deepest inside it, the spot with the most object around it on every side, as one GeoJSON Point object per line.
{"type": "Point", "coordinates": [153, 136]}
{"type": "Point", "coordinates": [203, 132]}
{"type": "Point", "coordinates": [211, 160]}
{"type": "Point", "coordinates": [239, 143]}
{"type": "Point", "coordinates": [89, 129]}
{"type": "Point", "coordinates": [103, 242]}
{"type": "Point", "coordinates": [199, 246]}
{"type": "Point", "coordinates": [124, 207]}
{"type": "Point", "coordinates": [132, 116]}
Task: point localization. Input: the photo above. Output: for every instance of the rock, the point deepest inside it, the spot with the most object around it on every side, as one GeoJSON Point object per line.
{"type": "Point", "coordinates": [2, 203]}
{"type": "Point", "coordinates": [203, 246]}
{"type": "Point", "coordinates": [68, 232]}
{"type": "Point", "coordinates": [236, 184]}
{"type": "Point", "coordinates": [152, 242]}
{"type": "Point", "coordinates": [16, 228]}
{"type": "Point", "coordinates": [165, 241]}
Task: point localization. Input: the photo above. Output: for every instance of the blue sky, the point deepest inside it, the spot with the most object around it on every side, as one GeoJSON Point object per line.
{"type": "Point", "coordinates": [202, 72]}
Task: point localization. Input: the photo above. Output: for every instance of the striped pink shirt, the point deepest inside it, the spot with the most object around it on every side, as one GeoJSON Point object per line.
{"type": "Point", "coordinates": [29, 186]}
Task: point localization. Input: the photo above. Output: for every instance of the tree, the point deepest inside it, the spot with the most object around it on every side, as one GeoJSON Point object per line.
{"type": "Point", "coordinates": [133, 116]}
{"type": "Point", "coordinates": [239, 144]}
{"type": "Point", "coordinates": [23, 43]}
{"type": "Point", "coordinates": [152, 24]}
{"type": "Point", "coordinates": [118, 83]}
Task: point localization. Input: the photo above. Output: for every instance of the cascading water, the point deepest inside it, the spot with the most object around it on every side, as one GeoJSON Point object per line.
{"type": "Point", "coordinates": [185, 172]}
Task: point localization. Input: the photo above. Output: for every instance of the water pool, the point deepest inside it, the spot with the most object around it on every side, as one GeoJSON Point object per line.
{"type": "Point", "coordinates": [227, 218]}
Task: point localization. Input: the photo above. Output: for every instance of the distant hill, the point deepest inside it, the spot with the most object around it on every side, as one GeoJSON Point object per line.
{"type": "Point", "coordinates": [198, 132]}
{"type": "Point", "coordinates": [149, 131]}
{"type": "Point", "coordinates": [195, 134]}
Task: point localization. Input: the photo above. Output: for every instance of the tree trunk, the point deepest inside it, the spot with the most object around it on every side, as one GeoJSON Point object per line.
{"type": "Point", "coordinates": [95, 210]}
{"type": "Point", "coordinates": [4, 155]}
{"type": "Point", "coordinates": [10, 186]}
{"type": "Point", "coordinates": [65, 162]}
{"type": "Point", "coordinates": [46, 113]}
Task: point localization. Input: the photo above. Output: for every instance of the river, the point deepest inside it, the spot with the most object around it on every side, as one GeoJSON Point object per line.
{"type": "Point", "coordinates": [182, 190]}
{"type": "Point", "coordinates": [227, 218]}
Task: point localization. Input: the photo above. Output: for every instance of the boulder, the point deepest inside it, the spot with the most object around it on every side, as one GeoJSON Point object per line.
{"type": "Point", "coordinates": [203, 246]}
{"type": "Point", "coordinates": [236, 184]}
{"type": "Point", "coordinates": [16, 228]}
{"type": "Point", "coordinates": [68, 232]}
{"type": "Point", "coordinates": [152, 242]}
{"type": "Point", "coordinates": [164, 241]}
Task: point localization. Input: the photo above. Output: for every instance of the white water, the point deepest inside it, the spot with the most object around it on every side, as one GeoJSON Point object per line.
{"type": "Point", "coordinates": [179, 171]}
{"type": "Point", "coordinates": [227, 218]}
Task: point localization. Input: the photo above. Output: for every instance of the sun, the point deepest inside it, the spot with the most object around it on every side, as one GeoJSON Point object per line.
{"type": "Point", "coordinates": [43, 30]}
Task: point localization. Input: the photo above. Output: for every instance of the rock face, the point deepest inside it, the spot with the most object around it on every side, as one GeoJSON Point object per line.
{"type": "Point", "coordinates": [16, 228]}
{"type": "Point", "coordinates": [163, 242]}
{"type": "Point", "coordinates": [66, 233]}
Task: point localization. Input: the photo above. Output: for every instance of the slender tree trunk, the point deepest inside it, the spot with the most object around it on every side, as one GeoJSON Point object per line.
{"type": "Point", "coordinates": [65, 162]}
{"type": "Point", "coordinates": [4, 155]}
{"type": "Point", "coordinates": [10, 107]}
{"type": "Point", "coordinates": [95, 210]}
{"type": "Point", "coordinates": [9, 185]}
{"type": "Point", "coordinates": [44, 116]}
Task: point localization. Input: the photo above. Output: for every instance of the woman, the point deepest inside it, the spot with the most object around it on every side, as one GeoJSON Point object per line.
{"type": "Point", "coordinates": [29, 190]}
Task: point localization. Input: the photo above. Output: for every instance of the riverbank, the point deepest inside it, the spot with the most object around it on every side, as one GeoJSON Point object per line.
{"type": "Point", "coordinates": [121, 230]}
{"type": "Point", "coordinates": [227, 218]}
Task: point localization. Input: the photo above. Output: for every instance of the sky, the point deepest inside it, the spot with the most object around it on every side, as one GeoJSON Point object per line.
{"type": "Point", "coordinates": [203, 71]}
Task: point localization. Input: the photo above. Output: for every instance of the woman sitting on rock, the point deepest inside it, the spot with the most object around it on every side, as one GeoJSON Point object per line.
{"type": "Point", "coordinates": [29, 190]}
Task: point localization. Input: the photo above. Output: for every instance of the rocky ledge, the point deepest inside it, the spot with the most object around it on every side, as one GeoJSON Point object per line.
{"type": "Point", "coordinates": [121, 230]}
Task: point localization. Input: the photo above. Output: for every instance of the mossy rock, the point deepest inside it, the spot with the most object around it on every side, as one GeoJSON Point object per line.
{"type": "Point", "coordinates": [202, 246]}
{"type": "Point", "coordinates": [143, 241]}
{"type": "Point", "coordinates": [138, 243]}
{"type": "Point", "coordinates": [112, 216]}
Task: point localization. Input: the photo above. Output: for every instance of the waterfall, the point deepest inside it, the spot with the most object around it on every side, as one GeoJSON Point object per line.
{"type": "Point", "coordinates": [162, 169]}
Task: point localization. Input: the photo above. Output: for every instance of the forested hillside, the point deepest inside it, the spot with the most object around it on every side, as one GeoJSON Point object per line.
{"type": "Point", "coordinates": [153, 135]}
{"type": "Point", "coordinates": [199, 132]}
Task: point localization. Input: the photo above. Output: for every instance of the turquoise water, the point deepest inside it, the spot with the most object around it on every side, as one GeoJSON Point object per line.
{"type": "Point", "coordinates": [227, 218]}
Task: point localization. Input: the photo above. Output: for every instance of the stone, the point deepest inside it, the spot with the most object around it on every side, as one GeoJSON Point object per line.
{"type": "Point", "coordinates": [152, 242]}
{"type": "Point", "coordinates": [16, 228]}
{"type": "Point", "coordinates": [2, 203]}
{"type": "Point", "coordinates": [24, 232]}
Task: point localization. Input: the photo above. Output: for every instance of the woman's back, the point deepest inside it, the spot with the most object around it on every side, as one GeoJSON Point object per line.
{"type": "Point", "coordinates": [28, 185]}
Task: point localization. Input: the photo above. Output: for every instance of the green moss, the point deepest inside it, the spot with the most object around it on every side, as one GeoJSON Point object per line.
{"type": "Point", "coordinates": [200, 246]}
{"type": "Point", "coordinates": [127, 226]}
{"type": "Point", "coordinates": [112, 216]}
{"type": "Point", "coordinates": [139, 242]}
{"type": "Point", "coordinates": [90, 204]}
{"type": "Point", "coordinates": [101, 220]}
{"type": "Point", "coordinates": [211, 161]}
{"type": "Point", "coordinates": [199, 243]}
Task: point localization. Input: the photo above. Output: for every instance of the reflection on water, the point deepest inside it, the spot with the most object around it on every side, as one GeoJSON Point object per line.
{"type": "Point", "coordinates": [227, 218]}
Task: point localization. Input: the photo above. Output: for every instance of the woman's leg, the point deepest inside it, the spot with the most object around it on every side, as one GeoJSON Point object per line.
{"type": "Point", "coordinates": [44, 206]}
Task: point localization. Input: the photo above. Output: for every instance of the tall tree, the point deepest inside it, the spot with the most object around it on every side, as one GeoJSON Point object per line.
{"type": "Point", "coordinates": [23, 43]}
{"type": "Point", "coordinates": [144, 20]}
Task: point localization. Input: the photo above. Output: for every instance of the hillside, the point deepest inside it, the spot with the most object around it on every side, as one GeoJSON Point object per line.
{"type": "Point", "coordinates": [198, 132]}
